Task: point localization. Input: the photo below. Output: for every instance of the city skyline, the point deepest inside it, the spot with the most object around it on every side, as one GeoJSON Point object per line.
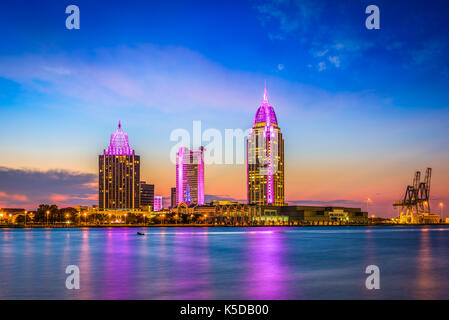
{"type": "Point", "coordinates": [362, 110]}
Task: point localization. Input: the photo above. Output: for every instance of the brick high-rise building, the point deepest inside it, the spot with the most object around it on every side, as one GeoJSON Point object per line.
{"type": "Point", "coordinates": [119, 175]}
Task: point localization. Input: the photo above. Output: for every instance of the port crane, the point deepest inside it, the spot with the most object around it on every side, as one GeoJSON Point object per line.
{"type": "Point", "coordinates": [415, 203]}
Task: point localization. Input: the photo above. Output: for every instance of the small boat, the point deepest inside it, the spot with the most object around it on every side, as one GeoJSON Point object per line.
{"type": "Point", "coordinates": [140, 234]}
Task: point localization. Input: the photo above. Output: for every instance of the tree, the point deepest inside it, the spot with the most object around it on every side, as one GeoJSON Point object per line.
{"type": "Point", "coordinates": [41, 213]}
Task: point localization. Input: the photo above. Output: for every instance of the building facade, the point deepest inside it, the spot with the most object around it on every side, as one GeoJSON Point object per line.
{"type": "Point", "coordinates": [190, 176]}
{"type": "Point", "coordinates": [173, 198]}
{"type": "Point", "coordinates": [309, 215]}
{"type": "Point", "coordinates": [119, 175]}
{"type": "Point", "coordinates": [146, 194]}
{"type": "Point", "coordinates": [158, 203]}
{"type": "Point", "coordinates": [265, 158]}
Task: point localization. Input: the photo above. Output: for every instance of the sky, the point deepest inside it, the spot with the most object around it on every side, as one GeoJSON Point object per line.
{"type": "Point", "coordinates": [360, 110]}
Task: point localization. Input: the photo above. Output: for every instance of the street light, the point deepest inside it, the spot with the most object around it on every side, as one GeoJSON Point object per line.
{"type": "Point", "coordinates": [441, 207]}
{"type": "Point", "coordinates": [163, 217]}
{"type": "Point", "coordinates": [85, 218]}
{"type": "Point", "coordinates": [26, 212]}
{"type": "Point", "coordinates": [48, 212]}
{"type": "Point", "coordinates": [368, 200]}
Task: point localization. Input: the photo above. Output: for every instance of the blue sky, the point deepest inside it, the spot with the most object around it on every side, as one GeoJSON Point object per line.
{"type": "Point", "coordinates": [360, 109]}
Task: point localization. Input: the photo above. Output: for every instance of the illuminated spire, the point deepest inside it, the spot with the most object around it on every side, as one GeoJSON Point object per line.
{"type": "Point", "coordinates": [265, 113]}
{"type": "Point", "coordinates": [265, 96]}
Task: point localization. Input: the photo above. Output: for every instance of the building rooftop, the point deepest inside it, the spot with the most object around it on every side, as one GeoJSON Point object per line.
{"type": "Point", "coordinates": [265, 114]}
{"type": "Point", "coordinates": [119, 145]}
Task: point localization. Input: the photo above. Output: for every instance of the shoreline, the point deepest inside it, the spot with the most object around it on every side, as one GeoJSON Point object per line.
{"type": "Point", "coordinates": [209, 226]}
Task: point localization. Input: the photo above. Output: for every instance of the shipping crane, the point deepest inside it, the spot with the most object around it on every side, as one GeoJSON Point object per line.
{"type": "Point", "coordinates": [415, 203]}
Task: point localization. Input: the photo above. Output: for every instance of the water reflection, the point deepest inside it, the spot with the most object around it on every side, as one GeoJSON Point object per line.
{"type": "Point", "coordinates": [267, 271]}
{"type": "Point", "coordinates": [424, 279]}
{"type": "Point", "coordinates": [225, 263]}
{"type": "Point", "coordinates": [118, 267]}
{"type": "Point", "coordinates": [191, 266]}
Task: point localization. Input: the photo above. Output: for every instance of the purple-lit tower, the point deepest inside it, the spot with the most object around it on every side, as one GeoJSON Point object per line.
{"type": "Point", "coordinates": [190, 175]}
{"type": "Point", "coordinates": [119, 175]}
{"type": "Point", "coordinates": [265, 158]}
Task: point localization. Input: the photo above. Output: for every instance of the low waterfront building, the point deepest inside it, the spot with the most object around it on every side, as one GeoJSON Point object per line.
{"type": "Point", "coordinates": [230, 213]}
{"type": "Point", "coordinates": [227, 212]}
{"type": "Point", "coordinates": [309, 215]}
{"type": "Point", "coordinates": [315, 215]}
{"type": "Point", "coordinates": [429, 218]}
{"type": "Point", "coordinates": [9, 215]}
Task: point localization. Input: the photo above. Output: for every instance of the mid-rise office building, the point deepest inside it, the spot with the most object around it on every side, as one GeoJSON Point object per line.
{"type": "Point", "coordinates": [158, 205]}
{"type": "Point", "coordinates": [146, 194]}
{"type": "Point", "coordinates": [190, 176]}
{"type": "Point", "coordinates": [265, 158]}
{"type": "Point", "coordinates": [119, 175]}
{"type": "Point", "coordinates": [173, 198]}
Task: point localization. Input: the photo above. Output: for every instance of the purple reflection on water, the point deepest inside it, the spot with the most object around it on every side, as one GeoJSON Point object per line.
{"type": "Point", "coordinates": [225, 263]}
{"type": "Point", "coordinates": [191, 266]}
{"type": "Point", "coordinates": [117, 265]}
{"type": "Point", "coordinates": [268, 271]}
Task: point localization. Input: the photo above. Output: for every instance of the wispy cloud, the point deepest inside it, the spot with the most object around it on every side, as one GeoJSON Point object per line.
{"type": "Point", "coordinates": [335, 60]}
{"type": "Point", "coordinates": [170, 80]}
{"type": "Point", "coordinates": [287, 16]}
{"type": "Point", "coordinates": [20, 198]}
{"type": "Point", "coordinates": [321, 66]}
{"type": "Point", "coordinates": [167, 79]}
{"type": "Point", "coordinates": [337, 29]}
{"type": "Point", "coordinates": [28, 188]}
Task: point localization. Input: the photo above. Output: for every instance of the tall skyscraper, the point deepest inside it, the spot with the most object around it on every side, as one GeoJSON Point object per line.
{"type": "Point", "coordinates": [173, 198]}
{"type": "Point", "coordinates": [119, 174]}
{"type": "Point", "coordinates": [146, 194]}
{"type": "Point", "coordinates": [190, 175]}
{"type": "Point", "coordinates": [265, 158]}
